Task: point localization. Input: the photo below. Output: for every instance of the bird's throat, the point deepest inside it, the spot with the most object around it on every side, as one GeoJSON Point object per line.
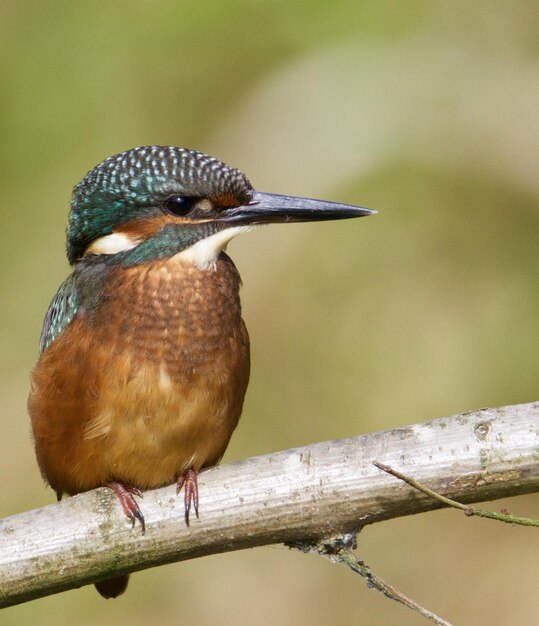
{"type": "Point", "coordinates": [204, 253]}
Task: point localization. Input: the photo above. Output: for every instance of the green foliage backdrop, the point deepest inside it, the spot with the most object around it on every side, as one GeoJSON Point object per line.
{"type": "Point", "coordinates": [425, 111]}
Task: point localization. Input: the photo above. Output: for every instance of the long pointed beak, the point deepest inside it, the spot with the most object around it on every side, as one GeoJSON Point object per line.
{"type": "Point", "coordinates": [270, 208]}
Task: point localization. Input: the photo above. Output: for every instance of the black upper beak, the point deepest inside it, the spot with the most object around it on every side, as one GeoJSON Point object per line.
{"type": "Point", "coordinates": [270, 208]}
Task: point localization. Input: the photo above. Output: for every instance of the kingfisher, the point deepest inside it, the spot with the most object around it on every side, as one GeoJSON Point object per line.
{"type": "Point", "coordinates": [144, 356]}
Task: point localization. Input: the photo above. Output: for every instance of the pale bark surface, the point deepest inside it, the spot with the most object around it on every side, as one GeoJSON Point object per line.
{"type": "Point", "coordinates": [301, 494]}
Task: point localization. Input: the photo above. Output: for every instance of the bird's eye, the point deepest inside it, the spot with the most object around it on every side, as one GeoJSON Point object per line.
{"type": "Point", "coordinates": [179, 205]}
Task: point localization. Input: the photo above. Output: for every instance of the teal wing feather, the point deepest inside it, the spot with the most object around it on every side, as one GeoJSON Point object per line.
{"type": "Point", "coordinates": [62, 310]}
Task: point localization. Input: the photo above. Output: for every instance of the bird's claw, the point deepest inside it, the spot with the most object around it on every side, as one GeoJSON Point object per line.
{"type": "Point", "coordinates": [189, 480]}
{"type": "Point", "coordinates": [130, 507]}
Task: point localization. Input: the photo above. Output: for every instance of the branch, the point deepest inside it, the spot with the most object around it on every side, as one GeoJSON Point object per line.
{"type": "Point", "coordinates": [339, 550]}
{"type": "Point", "coordinates": [503, 516]}
{"type": "Point", "coordinates": [300, 494]}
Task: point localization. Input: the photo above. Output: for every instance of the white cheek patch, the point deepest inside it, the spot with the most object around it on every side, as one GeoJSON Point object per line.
{"type": "Point", "coordinates": [112, 244]}
{"type": "Point", "coordinates": [204, 253]}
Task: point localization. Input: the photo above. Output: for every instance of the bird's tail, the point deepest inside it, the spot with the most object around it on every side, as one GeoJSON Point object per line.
{"type": "Point", "coordinates": [113, 587]}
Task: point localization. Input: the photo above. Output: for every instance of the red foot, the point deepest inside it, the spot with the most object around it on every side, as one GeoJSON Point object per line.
{"type": "Point", "coordinates": [130, 507]}
{"type": "Point", "coordinates": [189, 479]}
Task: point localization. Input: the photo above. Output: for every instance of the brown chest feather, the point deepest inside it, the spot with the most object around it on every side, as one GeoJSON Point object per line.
{"type": "Point", "coordinates": [149, 384]}
{"type": "Point", "coordinates": [171, 313]}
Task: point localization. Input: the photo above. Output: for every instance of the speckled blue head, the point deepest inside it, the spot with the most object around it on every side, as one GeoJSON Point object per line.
{"type": "Point", "coordinates": [136, 182]}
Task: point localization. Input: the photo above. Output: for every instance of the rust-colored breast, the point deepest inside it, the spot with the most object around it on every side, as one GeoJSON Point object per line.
{"type": "Point", "coordinates": [148, 385]}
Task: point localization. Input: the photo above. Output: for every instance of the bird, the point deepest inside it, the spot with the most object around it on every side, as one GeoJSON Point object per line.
{"type": "Point", "coordinates": [144, 356]}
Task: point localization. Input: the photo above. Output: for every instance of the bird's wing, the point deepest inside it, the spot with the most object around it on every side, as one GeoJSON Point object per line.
{"type": "Point", "coordinates": [62, 310]}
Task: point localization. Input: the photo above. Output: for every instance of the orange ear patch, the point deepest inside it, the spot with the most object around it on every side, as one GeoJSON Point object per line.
{"type": "Point", "coordinates": [144, 228]}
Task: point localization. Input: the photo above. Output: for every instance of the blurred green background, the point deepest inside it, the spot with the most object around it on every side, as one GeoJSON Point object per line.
{"type": "Point", "coordinates": [426, 111]}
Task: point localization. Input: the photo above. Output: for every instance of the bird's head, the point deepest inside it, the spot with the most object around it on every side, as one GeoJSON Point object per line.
{"type": "Point", "coordinates": [154, 202]}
